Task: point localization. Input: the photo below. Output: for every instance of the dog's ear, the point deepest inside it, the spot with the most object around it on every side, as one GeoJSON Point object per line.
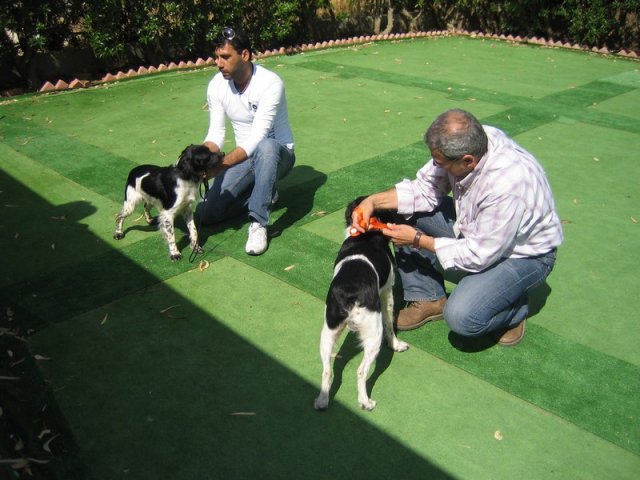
{"type": "Point", "coordinates": [350, 207]}
{"type": "Point", "coordinates": [387, 216]}
{"type": "Point", "coordinates": [216, 158]}
{"type": "Point", "coordinates": [187, 152]}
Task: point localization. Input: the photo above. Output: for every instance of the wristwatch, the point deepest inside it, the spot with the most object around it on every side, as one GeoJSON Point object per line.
{"type": "Point", "coordinates": [416, 240]}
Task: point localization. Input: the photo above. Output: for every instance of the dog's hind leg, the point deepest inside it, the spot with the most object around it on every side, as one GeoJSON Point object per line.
{"type": "Point", "coordinates": [371, 338]}
{"type": "Point", "coordinates": [328, 339]}
{"type": "Point", "coordinates": [386, 300]}
{"type": "Point", "coordinates": [187, 214]}
{"type": "Point", "coordinates": [147, 215]}
{"type": "Point", "coordinates": [129, 205]}
{"type": "Point", "coordinates": [166, 227]}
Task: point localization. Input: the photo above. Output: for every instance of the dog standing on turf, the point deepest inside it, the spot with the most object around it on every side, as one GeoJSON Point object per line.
{"type": "Point", "coordinates": [171, 190]}
{"type": "Point", "coordinates": [360, 298]}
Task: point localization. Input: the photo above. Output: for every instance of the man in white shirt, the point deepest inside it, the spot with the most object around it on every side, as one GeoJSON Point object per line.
{"type": "Point", "coordinates": [498, 231]}
{"type": "Point", "coordinates": [254, 101]}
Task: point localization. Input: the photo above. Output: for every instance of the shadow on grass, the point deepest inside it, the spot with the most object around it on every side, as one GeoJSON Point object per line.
{"type": "Point", "coordinates": [145, 395]}
{"type": "Point", "coordinates": [296, 199]}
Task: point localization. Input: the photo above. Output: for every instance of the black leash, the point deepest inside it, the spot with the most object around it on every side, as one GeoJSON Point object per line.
{"type": "Point", "coordinates": [194, 253]}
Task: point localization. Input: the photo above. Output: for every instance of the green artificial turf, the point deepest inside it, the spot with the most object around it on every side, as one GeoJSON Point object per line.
{"type": "Point", "coordinates": [208, 370]}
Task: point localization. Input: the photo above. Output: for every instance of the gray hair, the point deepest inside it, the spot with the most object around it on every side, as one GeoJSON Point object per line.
{"type": "Point", "coordinates": [456, 133]}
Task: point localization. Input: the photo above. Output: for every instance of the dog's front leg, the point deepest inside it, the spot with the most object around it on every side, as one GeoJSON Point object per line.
{"type": "Point", "coordinates": [328, 339]}
{"type": "Point", "coordinates": [193, 231]}
{"type": "Point", "coordinates": [166, 227]}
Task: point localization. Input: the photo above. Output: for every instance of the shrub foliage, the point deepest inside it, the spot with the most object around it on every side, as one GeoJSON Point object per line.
{"type": "Point", "coordinates": [128, 32]}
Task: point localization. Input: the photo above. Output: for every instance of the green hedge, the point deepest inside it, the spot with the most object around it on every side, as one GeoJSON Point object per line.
{"type": "Point", "coordinates": [128, 32]}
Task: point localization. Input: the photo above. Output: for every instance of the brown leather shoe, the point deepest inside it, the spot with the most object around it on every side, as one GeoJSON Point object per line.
{"type": "Point", "coordinates": [513, 336]}
{"type": "Point", "coordinates": [416, 314]}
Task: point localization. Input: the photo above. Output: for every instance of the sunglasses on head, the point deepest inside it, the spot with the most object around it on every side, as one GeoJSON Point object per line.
{"type": "Point", "coordinates": [228, 33]}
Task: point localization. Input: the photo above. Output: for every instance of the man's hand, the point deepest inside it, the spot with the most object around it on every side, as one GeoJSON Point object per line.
{"type": "Point", "coordinates": [404, 235]}
{"type": "Point", "coordinates": [361, 215]}
{"type": "Point", "coordinates": [400, 234]}
{"type": "Point", "coordinates": [215, 171]}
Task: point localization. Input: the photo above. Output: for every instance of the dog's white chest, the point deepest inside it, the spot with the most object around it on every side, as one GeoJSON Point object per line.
{"type": "Point", "coordinates": [186, 192]}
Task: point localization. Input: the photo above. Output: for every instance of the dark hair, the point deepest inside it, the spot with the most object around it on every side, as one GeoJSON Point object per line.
{"type": "Point", "coordinates": [456, 133]}
{"type": "Point", "coordinates": [239, 41]}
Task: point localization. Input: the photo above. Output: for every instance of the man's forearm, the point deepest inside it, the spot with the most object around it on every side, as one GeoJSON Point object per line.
{"type": "Point", "coordinates": [387, 200]}
{"type": "Point", "coordinates": [235, 156]}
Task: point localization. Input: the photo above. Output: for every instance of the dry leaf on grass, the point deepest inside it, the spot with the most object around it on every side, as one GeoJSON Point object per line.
{"type": "Point", "coordinates": [243, 414]}
{"type": "Point", "coordinates": [41, 357]}
{"type": "Point", "coordinates": [290, 267]}
{"type": "Point", "coordinates": [104, 320]}
{"type": "Point", "coordinates": [319, 213]}
{"type": "Point", "coordinates": [204, 264]}
{"type": "Point", "coordinates": [164, 312]}
{"type": "Point", "coordinates": [633, 219]}
{"type": "Point", "coordinates": [18, 362]}
{"type": "Point", "coordinates": [497, 435]}
{"type": "Point", "coordinates": [45, 447]}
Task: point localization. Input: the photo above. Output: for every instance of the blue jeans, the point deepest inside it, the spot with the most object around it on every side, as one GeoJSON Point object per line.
{"type": "Point", "coordinates": [493, 299]}
{"type": "Point", "coordinates": [249, 185]}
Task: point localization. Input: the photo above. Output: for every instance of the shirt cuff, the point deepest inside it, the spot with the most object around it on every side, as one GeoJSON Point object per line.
{"type": "Point", "coordinates": [445, 251]}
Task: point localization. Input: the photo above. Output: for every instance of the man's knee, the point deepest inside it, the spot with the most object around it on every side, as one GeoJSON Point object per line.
{"type": "Point", "coordinates": [463, 320]}
{"type": "Point", "coordinates": [267, 149]}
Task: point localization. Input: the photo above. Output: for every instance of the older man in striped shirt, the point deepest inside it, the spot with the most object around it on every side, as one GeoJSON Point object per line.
{"type": "Point", "coordinates": [482, 210]}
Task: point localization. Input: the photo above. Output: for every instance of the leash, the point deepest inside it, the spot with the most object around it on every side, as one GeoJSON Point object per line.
{"type": "Point", "coordinates": [205, 184]}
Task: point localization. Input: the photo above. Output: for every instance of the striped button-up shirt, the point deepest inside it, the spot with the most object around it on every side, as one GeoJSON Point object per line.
{"type": "Point", "coordinates": [504, 207]}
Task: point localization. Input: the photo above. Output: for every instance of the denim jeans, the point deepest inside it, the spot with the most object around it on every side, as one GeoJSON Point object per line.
{"type": "Point", "coordinates": [249, 185]}
{"type": "Point", "coordinates": [493, 299]}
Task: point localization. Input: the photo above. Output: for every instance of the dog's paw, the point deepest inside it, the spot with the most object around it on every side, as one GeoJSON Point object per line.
{"type": "Point", "coordinates": [118, 235]}
{"type": "Point", "coordinates": [175, 257]}
{"type": "Point", "coordinates": [400, 346]}
{"type": "Point", "coordinates": [153, 221]}
{"type": "Point", "coordinates": [321, 403]}
{"type": "Point", "coordinates": [368, 404]}
{"type": "Point", "coordinates": [197, 249]}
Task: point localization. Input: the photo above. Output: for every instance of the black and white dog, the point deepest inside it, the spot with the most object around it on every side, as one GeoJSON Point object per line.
{"type": "Point", "coordinates": [360, 298]}
{"type": "Point", "coordinates": [171, 190]}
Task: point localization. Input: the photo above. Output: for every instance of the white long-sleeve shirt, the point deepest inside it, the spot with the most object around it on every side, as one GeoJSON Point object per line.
{"type": "Point", "coordinates": [504, 207]}
{"type": "Point", "coordinates": [257, 113]}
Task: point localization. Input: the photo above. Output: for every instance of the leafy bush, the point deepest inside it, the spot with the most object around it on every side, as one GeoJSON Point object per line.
{"type": "Point", "coordinates": [135, 32]}
{"type": "Point", "coordinates": [613, 23]}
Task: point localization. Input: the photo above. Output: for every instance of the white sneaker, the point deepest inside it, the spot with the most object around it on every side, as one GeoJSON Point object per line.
{"type": "Point", "coordinates": [257, 242]}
